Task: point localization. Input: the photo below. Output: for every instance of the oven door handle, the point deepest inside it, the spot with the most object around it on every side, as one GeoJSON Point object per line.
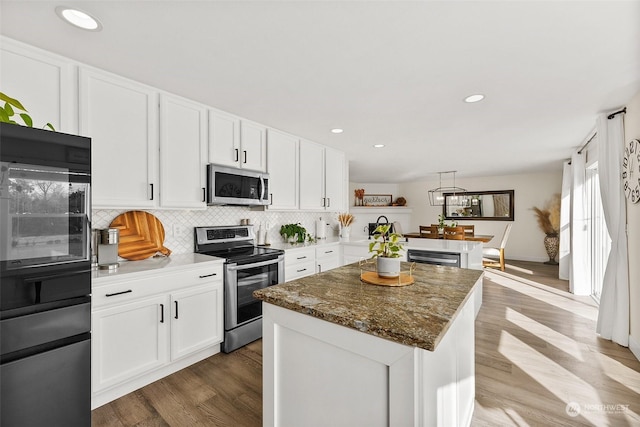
{"type": "Point", "coordinates": [236, 267]}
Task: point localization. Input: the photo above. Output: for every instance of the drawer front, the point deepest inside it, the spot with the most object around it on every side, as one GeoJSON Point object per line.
{"type": "Point", "coordinates": [328, 252]}
{"type": "Point", "coordinates": [300, 269]}
{"type": "Point", "coordinates": [129, 290]}
{"type": "Point", "coordinates": [295, 256]}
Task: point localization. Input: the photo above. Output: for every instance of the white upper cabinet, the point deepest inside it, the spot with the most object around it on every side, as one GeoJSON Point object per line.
{"type": "Point", "coordinates": [335, 180]}
{"type": "Point", "coordinates": [253, 145]}
{"type": "Point", "coordinates": [183, 153]}
{"type": "Point", "coordinates": [312, 176]}
{"type": "Point", "coordinates": [44, 83]}
{"type": "Point", "coordinates": [282, 165]}
{"type": "Point", "coordinates": [322, 178]}
{"type": "Point", "coordinates": [121, 117]}
{"type": "Point", "coordinates": [224, 139]}
{"type": "Point", "coordinates": [237, 143]}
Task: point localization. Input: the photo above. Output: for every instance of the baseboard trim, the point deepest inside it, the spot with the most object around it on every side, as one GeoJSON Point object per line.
{"type": "Point", "coordinates": [634, 346]}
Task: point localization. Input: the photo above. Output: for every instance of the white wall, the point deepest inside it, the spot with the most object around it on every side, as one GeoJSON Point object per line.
{"type": "Point", "coordinates": [632, 131]}
{"type": "Point", "coordinates": [526, 239]}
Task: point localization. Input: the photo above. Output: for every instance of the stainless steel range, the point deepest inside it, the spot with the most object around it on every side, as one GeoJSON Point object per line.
{"type": "Point", "coordinates": [247, 268]}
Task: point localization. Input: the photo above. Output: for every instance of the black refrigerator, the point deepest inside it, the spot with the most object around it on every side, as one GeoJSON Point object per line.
{"type": "Point", "coordinates": [45, 278]}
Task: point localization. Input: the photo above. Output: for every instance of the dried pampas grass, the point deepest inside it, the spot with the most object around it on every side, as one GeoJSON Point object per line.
{"type": "Point", "coordinates": [549, 217]}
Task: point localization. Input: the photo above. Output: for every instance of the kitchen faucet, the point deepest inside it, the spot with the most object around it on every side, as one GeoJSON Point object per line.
{"type": "Point", "coordinates": [385, 218]}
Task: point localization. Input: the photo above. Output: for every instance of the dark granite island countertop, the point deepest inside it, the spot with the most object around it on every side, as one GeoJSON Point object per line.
{"type": "Point", "coordinates": [416, 315]}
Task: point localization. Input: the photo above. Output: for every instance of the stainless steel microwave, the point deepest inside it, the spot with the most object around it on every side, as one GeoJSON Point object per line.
{"type": "Point", "coordinates": [233, 186]}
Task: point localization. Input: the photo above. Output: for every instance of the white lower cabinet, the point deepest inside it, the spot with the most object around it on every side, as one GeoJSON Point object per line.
{"type": "Point", "coordinates": [128, 340]}
{"type": "Point", "coordinates": [150, 326]}
{"type": "Point", "coordinates": [194, 325]}
{"type": "Point", "coordinates": [328, 257]}
{"type": "Point", "coordinates": [299, 262]}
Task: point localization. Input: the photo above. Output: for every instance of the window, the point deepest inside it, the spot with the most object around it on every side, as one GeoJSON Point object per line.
{"type": "Point", "coordinates": [599, 243]}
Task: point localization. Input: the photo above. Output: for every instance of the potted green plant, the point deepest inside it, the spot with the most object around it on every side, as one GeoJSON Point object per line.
{"type": "Point", "coordinates": [293, 233]}
{"type": "Point", "coordinates": [442, 224]}
{"type": "Point", "coordinates": [386, 249]}
{"type": "Point", "coordinates": [7, 113]}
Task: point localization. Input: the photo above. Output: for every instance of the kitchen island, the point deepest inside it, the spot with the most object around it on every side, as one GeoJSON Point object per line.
{"type": "Point", "coordinates": [340, 352]}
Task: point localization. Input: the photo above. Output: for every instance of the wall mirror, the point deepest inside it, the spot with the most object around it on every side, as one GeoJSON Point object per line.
{"type": "Point", "coordinates": [479, 205]}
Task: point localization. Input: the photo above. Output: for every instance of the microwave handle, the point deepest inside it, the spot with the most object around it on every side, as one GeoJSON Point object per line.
{"type": "Point", "coordinates": [261, 187]}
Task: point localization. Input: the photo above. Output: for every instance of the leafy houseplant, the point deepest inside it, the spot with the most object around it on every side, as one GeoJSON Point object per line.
{"type": "Point", "coordinates": [7, 113]}
{"type": "Point", "coordinates": [294, 231]}
{"type": "Point", "coordinates": [442, 224]}
{"type": "Point", "coordinates": [386, 248]}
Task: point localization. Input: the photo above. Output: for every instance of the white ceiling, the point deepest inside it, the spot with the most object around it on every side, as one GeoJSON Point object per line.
{"type": "Point", "coordinates": [389, 72]}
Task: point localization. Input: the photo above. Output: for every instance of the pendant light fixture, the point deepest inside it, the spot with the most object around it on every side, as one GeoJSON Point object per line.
{"type": "Point", "coordinates": [456, 194]}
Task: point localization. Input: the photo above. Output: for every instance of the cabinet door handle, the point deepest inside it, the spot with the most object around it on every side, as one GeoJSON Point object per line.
{"type": "Point", "coordinates": [176, 303]}
{"type": "Point", "coordinates": [271, 198]}
{"type": "Point", "coordinates": [300, 271]}
{"type": "Point", "coordinates": [118, 293]}
{"type": "Point", "coordinates": [237, 155]}
{"type": "Point", "coordinates": [324, 202]}
{"type": "Point", "coordinates": [208, 275]}
{"type": "Point", "coordinates": [328, 252]}
{"type": "Point", "coordinates": [301, 257]}
{"type": "Point", "coordinates": [204, 194]}
{"type": "Point", "coordinates": [328, 201]}
{"type": "Point", "coordinates": [151, 191]}
{"type": "Point", "coordinates": [245, 156]}
{"type": "Point", "coordinates": [319, 268]}
{"type": "Point", "coordinates": [161, 313]}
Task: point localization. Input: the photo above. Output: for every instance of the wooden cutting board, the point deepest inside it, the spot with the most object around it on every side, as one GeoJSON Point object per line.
{"type": "Point", "coordinates": [141, 235]}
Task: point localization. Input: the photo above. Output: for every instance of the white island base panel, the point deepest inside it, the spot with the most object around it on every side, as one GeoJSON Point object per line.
{"type": "Point", "coordinates": [317, 373]}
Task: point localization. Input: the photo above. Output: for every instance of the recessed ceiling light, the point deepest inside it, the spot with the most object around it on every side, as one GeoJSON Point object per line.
{"type": "Point", "coordinates": [378, 145]}
{"type": "Point", "coordinates": [474, 98]}
{"type": "Point", "coordinates": [78, 18]}
{"type": "Point", "coordinates": [337, 130]}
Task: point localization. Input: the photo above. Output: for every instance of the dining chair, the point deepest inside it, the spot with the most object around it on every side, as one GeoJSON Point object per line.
{"type": "Point", "coordinates": [454, 233]}
{"type": "Point", "coordinates": [469, 230]}
{"type": "Point", "coordinates": [429, 231]}
{"type": "Point", "coordinates": [491, 253]}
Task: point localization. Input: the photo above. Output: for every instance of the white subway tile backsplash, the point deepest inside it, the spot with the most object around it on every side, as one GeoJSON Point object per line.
{"type": "Point", "coordinates": [221, 215]}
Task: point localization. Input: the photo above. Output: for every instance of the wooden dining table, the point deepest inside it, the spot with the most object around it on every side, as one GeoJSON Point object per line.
{"type": "Point", "coordinates": [484, 238]}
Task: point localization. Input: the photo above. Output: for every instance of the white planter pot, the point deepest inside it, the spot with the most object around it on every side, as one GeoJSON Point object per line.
{"type": "Point", "coordinates": [388, 267]}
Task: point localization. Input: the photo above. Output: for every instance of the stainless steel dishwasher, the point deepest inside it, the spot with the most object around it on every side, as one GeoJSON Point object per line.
{"type": "Point", "coordinates": [451, 259]}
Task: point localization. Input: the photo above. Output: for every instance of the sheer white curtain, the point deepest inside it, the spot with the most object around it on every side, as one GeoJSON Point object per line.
{"type": "Point", "coordinates": [564, 270]}
{"type": "Point", "coordinates": [613, 316]}
{"type": "Point", "coordinates": [579, 280]}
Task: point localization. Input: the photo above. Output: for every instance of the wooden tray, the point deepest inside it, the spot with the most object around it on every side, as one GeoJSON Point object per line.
{"type": "Point", "coordinates": [141, 235]}
{"type": "Point", "coordinates": [372, 278]}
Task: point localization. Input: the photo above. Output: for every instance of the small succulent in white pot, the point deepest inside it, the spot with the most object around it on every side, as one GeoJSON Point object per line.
{"type": "Point", "coordinates": [386, 248]}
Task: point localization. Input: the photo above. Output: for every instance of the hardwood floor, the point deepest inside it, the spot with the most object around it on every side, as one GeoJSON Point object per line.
{"type": "Point", "coordinates": [536, 353]}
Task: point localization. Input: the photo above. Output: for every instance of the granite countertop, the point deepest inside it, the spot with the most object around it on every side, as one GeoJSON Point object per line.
{"type": "Point", "coordinates": [416, 315]}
